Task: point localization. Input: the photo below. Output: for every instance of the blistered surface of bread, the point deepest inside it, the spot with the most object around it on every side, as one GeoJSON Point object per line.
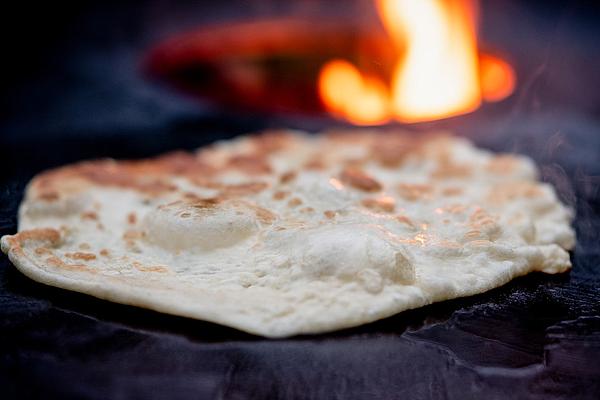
{"type": "Point", "coordinates": [287, 233]}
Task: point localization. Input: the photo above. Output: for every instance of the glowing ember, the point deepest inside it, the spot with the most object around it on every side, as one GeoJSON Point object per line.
{"type": "Point", "coordinates": [497, 78]}
{"type": "Point", "coordinates": [440, 73]}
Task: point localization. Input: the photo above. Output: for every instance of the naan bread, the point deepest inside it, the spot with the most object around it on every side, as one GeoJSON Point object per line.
{"type": "Point", "coordinates": [287, 233]}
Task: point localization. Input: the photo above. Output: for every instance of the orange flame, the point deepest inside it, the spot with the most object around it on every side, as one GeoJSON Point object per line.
{"type": "Point", "coordinates": [363, 99]}
{"type": "Point", "coordinates": [440, 74]}
{"type": "Point", "coordinates": [497, 78]}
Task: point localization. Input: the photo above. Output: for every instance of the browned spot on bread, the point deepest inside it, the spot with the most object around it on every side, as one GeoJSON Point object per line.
{"type": "Point", "coordinates": [280, 195]}
{"type": "Point", "coordinates": [150, 268]}
{"type": "Point", "coordinates": [316, 164]}
{"type": "Point", "coordinates": [405, 220]}
{"type": "Point", "coordinates": [45, 185]}
{"type": "Point", "coordinates": [42, 250]}
{"type": "Point", "coordinates": [155, 187]}
{"type": "Point", "coordinates": [480, 243]}
{"type": "Point", "coordinates": [264, 215]}
{"type": "Point", "coordinates": [329, 214]}
{"type": "Point", "coordinates": [177, 202]}
{"type": "Point", "coordinates": [447, 168]}
{"type": "Point", "coordinates": [249, 164]}
{"type": "Point", "coordinates": [154, 268]}
{"type": "Point", "coordinates": [382, 204]}
{"type": "Point", "coordinates": [189, 196]}
{"type": "Point", "coordinates": [58, 263]}
{"type": "Point", "coordinates": [228, 190]}
{"type": "Point", "coordinates": [354, 162]}
{"type": "Point", "coordinates": [84, 246]}
{"type": "Point", "coordinates": [295, 202]}
{"type": "Point", "coordinates": [133, 235]}
{"type": "Point", "coordinates": [452, 191]}
{"type": "Point", "coordinates": [307, 210]}
{"type": "Point", "coordinates": [81, 256]}
{"type": "Point", "coordinates": [104, 253]}
{"type": "Point", "coordinates": [414, 192]}
{"type": "Point", "coordinates": [452, 171]}
{"type": "Point", "coordinates": [473, 234]}
{"type": "Point", "coordinates": [480, 218]}
{"type": "Point", "coordinates": [179, 163]}
{"type": "Point", "coordinates": [145, 176]}
{"type": "Point", "coordinates": [126, 175]}
{"type": "Point", "coordinates": [49, 195]}
{"type": "Point", "coordinates": [206, 203]}
{"type": "Point", "coordinates": [243, 189]}
{"type": "Point", "coordinates": [204, 182]}
{"type": "Point", "coordinates": [54, 261]}
{"type": "Point", "coordinates": [455, 208]}
{"type": "Point", "coordinates": [449, 244]}
{"type": "Point", "coordinates": [40, 234]}
{"type": "Point", "coordinates": [390, 150]}
{"type": "Point", "coordinates": [288, 177]}
{"type": "Point", "coordinates": [174, 163]}
{"type": "Point", "coordinates": [503, 164]}
{"type": "Point", "coordinates": [132, 218]}
{"type": "Point", "coordinates": [151, 177]}
{"type": "Point", "coordinates": [91, 215]}
{"type": "Point", "coordinates": [358, 179]}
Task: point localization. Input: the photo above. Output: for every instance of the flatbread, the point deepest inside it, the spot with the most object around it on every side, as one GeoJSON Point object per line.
{"type": "Point", "coordinates": [289, 233]}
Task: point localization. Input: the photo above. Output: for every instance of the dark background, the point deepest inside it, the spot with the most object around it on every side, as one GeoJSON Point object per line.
{"type": "Point", "coordinates": [71, 89]}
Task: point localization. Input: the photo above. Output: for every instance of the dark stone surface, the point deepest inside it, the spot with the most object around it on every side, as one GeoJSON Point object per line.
{"type": "Point", "coordinates": [537, 337]}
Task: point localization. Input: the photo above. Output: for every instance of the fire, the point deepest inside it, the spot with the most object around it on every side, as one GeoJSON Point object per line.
{"type": "Point", "coordinates": [438, 77]}
{"type": "Point", "coordinates": [369, 95]}
{"type": "Point", "coordinates": [497, 78]}
{"type": "Point", "coordinates": [439, 74]}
